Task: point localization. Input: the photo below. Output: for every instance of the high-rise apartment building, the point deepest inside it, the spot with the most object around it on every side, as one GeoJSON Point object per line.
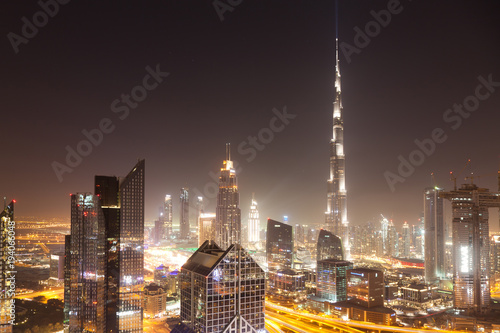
{"type": "Point", "coordinates": [228, 219]}
{"type": "Point", "coordinates": [336, 211]}
{"type": "Point", "coordinates": [221, 291]}
{"type": "Point", "coordinates": [331, 283]}
{"type": "Point", "coordinates": [206, 228]}
{"type": "Point", "coordinates": [253, 223]}
{"type": "Point", "coordinates": [329, 246]}
{"type": "Point", "coordinates": [87, 294]}
{"type": "Point", "coordinates": [471, 246]}
{"type": "Point", "coordinates": [7, 239]}
{"type": "Point", "coordinates": [167, 217]}
{"type": "Point", "coordinates": [279, 245]}
{"type": "Point", "coordinates": [434, 236]}
{"type": "Point", "coordinates": [184, 214]}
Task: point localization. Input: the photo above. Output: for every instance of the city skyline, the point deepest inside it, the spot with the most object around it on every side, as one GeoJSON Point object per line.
{"type": "Point", "coordinates": [395, 90]}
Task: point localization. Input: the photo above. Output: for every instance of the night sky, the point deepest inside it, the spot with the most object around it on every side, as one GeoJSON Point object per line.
{"type": "Point", "coordinates": [225, 78]}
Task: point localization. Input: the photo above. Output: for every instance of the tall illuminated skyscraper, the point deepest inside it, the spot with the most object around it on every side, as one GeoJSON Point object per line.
{"type": "Point", "coordinates": [6, 222]}
{"type": "Point", "coordinates": [228, 214]}
{"type": "Point", "coordinates": [206, 228]}
{"type": "Point", "coordinates": [336, 211]}
{"type": "Point", "coordinates": [122, 202]}
{"type": "Point", "coordinates": [167, 217]}
{"type": "Point", "coordinates": [471, 246]}
{"type": "Point", "coordinates": [253, 223]}
{"type": "Point", "coordinates": [405, 252]}
{"type": "Point", "coordinates": [87, 292]}
{"type": "Point", "coordinates": [434, 236]}
{"type": "Point", "coordinates": [184, 216]}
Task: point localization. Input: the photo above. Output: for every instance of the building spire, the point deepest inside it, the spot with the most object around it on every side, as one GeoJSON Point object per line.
{"type": "Point", "coordinates": [228, 152]}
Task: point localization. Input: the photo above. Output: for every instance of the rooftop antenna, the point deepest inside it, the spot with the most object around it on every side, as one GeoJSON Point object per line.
{"type": "Point", "coordinates": [228, 151]}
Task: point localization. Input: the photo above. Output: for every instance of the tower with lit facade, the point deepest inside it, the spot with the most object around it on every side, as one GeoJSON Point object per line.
{"type": "Point", "coordinates": [434, 236]}
{"type": "Point", "coordinates": [228, 214]}
{"type": "Point", "coordinates": [206, 227]}
{"type": "Point", "coordinates": [184, 213]}
{"type": "Point", "coordinates": [471, 246]}
{"type": "Point", "coordinates": [167, 217]}
{"type": "Point", "coordinates": [87, 291]}
{"type": "Point", "coordinates": [222, 290]}
{"type": "Point", "coordinates": [336, 210]}
{"type": "Point", "coordinates": [253, 223]}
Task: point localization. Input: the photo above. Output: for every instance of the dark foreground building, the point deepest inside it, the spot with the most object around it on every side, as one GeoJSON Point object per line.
{"type": "Point", "coordinates": [221, 291]}
{"type": "Point", "coordinates": [329, 246]}
{"type": "Point", "coordinates": [106, 256]}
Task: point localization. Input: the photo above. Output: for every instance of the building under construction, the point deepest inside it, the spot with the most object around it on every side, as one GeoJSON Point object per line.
{"type": "Point", "coordinates": [471, 246]}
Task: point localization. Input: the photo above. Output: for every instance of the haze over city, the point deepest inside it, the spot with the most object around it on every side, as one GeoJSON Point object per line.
{"type": "Point", "coordinates": [225, 79]}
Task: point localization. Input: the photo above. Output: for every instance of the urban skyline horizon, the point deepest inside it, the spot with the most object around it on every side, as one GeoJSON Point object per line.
{"type": "Point", "coordinates": [406, 96]}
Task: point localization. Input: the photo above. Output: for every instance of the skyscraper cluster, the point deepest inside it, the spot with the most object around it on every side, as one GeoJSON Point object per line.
{"type": "Point", "coordinates": [222, 287]}
{"type": "Point", "coordinates": [105, 256]}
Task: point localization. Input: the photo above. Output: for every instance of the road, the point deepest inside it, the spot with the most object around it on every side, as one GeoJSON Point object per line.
{"type": "Point", "coordinates": [155, 326]}
{"type": "Point", "coordinates": [286, 315]}
{"type": "Point", "coordinates": [55, 292]}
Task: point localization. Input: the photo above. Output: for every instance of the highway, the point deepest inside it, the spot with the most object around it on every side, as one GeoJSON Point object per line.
{"type": "Point", "coordinates": [299, 319]}
{"type": "Point", "coordinates": [54, 292]}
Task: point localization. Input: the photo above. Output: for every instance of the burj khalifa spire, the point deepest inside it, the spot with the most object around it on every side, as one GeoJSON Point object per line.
{"type": "Point", "coordinates": [336, 211]}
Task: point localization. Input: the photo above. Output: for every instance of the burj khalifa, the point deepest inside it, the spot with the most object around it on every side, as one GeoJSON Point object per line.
{"type": "Point", "coordinates": [336, 211]}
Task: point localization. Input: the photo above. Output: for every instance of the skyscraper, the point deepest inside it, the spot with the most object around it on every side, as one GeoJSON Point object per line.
{"type": "Point", "coordinates": [214, 298]}
{"type": "Point", "coordinates": [434, 236]}
{"type": "Point", "coordinates": [336, 212]}
{"type": "Point", "coordinates": [167, 217]}
{"type": "Point", "coordinates": [471, 246]}
{"type": "Point", "coordinates": [87, 306]}
{"type": "Point", "coordinates": [228, 219]}
{"type": "Point", "coordinates": [122, 203]}
{"type": "Point", "coordinates": [184, 213]}
{"type": "Point", "coordinates": [329, 246]}
{"type": "Point", "coordinates": [253, 223]}
{"type": "Point", "coordinates": [6, 222]}
{"type": "Point", "coordinates": [332, 279]}
{"type": "Point", "coordinates": [279, 245]}
{"type": "Point", "coordinates": [405, 253]}
{"type": "Point", "coordinates": [206, 228]}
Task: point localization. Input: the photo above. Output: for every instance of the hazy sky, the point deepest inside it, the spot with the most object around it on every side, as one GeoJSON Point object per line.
{"type": "Point", "coordinates": [226, 77]}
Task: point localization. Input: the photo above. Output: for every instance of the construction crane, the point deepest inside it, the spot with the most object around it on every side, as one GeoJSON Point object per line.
{"type": "Point", "coordinates": [454, 178]}
{"type": "Point", "coordinates": [472, 177]}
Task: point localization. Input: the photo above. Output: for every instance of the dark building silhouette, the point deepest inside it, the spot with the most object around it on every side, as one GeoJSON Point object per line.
{"type": "Point", "coordinates": [329, 246]}
{"type": "Point", "coordinates": [221, 291]}
{"type": "Point", "coordinates": [279, 245]}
